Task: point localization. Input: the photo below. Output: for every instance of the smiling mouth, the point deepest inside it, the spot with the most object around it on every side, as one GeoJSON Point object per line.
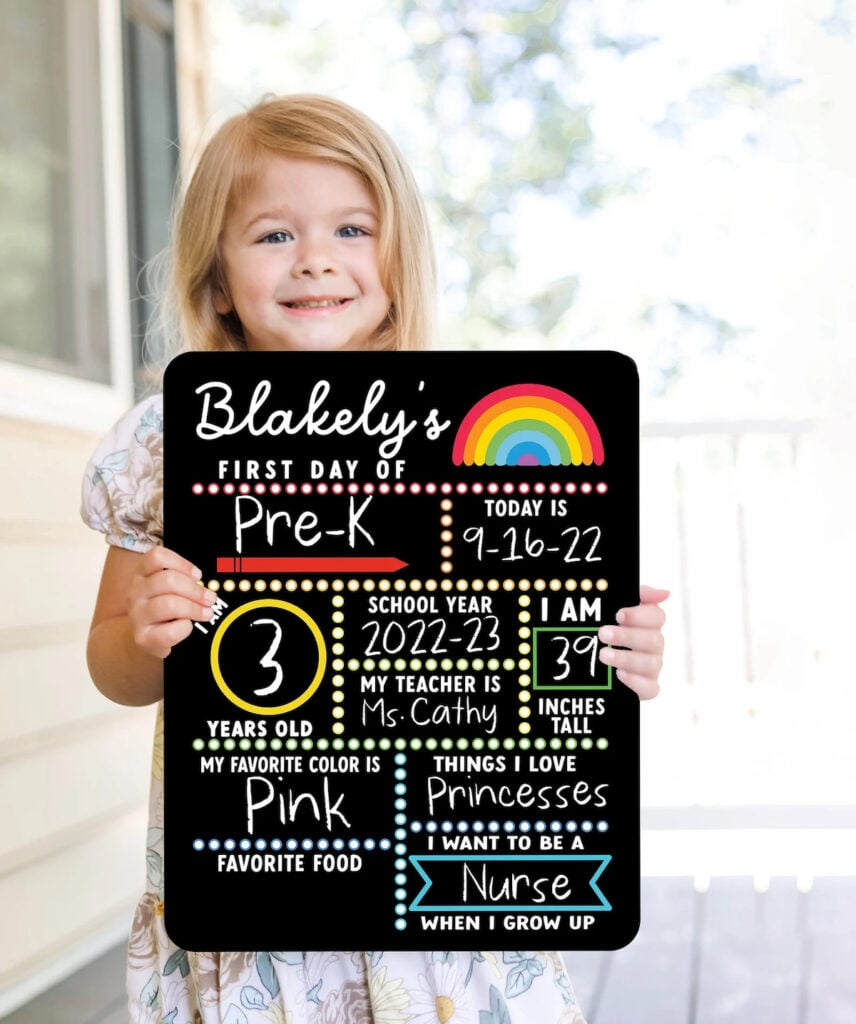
{"type": "Point", "coordinates": [316, 303]}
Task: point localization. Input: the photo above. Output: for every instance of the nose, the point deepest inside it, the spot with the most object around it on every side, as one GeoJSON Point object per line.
{"type": "Point", "coordinates": [313, 258]}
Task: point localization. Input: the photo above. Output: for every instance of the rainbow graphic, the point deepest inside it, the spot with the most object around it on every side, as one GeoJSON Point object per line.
{"type": "Point", "coordinates": [527, 425]}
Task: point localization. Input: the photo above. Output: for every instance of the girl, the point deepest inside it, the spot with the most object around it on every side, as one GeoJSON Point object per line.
{"type": "Point", "coordinates": [302, 229]}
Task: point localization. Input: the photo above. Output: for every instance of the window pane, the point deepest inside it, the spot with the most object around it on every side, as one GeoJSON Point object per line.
{"type": "Point", "coordinates": [52, 310]}
{"type": "Point", "coordinates": [153, 153]}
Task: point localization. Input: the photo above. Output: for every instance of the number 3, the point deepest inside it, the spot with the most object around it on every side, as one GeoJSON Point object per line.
{"type": "Point", "coordinates": [268, 660]}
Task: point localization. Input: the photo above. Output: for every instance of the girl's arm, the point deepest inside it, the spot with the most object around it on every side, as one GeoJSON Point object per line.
{"type": "Point", "coordinates": [146, 604]}
{"type": "Point", "coordinates": [640, 629]}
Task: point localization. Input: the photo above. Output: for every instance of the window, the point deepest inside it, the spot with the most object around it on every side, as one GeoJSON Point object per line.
{"type": "Point", "coordinates": [53, 295]}
{"type": "Point", "coordinates": [151, 121]}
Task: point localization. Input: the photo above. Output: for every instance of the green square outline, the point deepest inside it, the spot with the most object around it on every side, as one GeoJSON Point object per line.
{"type": "Point", "coordinates": [564, 629]}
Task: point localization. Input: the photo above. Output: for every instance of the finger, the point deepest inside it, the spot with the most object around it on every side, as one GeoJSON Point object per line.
{"type": "Point", "coordinates": [639, 662]}
{"type": "Point", "coordinates": [643, 686]}
{"type": "Point", "coordinates": [636, 663]}
{"type": "Point", "coordinates": [159, 640]}
{"type": "Point", "coordinates": [169, 581]}
{"type": "Point", "coordinates": [645, 616]}
{"type": "Point", "coordinates": [636, 638]}
{"type": "Point", "coordinates": [169, 607]}
{"type": "Point", "coordinates": [652, 595]}
{"type": "Point", "coordinates": [159, 558]}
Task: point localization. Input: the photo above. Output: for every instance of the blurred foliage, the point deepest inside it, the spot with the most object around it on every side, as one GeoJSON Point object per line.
{"type": "Point", "coordinates": [499, 120]}
{"type": "Point", "coordinates": [499, 81]}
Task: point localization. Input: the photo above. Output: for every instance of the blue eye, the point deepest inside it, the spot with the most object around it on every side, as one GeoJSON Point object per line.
{"type": "Point", "coordinates": [351, 231]}
{"type": "Point", "coordinates": [276, 237]}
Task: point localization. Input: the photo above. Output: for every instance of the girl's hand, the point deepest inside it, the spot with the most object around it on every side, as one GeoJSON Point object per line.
{"type": "Point", "coordinates": [164, 599]}
{"type": "Point", "coordinates": [639, 630]}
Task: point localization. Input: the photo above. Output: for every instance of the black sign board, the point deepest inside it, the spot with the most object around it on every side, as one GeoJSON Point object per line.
{"type": "Point", "coordinates": [396, 732]}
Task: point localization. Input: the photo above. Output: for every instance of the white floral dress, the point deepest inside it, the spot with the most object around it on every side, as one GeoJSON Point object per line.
{"type": "Point", "coordinates": [122, 498]}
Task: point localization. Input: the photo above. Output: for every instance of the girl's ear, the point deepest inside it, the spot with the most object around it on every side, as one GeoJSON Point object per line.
{"type": "Point", "coordinates": [222, 302]}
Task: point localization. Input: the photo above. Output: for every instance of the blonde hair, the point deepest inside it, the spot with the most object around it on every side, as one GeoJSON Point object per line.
{"type": "Point", "coordinates": [310, 127]}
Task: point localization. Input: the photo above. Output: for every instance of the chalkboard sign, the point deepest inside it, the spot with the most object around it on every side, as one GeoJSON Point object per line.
{"type": "Point", "coordinates": [396, 732]}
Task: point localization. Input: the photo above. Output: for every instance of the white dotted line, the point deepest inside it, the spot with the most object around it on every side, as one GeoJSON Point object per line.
{"type": "Point", "coordinates": [370, 844]}
{"type": "Point", "coordinates": [322, 487]}
{"type": "Point", "coordinates": [495, 827]}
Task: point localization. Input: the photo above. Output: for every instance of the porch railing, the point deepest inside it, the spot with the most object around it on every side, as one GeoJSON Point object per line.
{"type": "Point", "coordinates": [749, 745]}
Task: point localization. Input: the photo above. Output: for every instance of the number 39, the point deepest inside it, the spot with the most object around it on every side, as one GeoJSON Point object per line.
{"type": "Point", "coordinates": [582, 645]}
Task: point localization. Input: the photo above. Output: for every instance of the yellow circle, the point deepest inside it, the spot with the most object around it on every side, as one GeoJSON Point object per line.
{"type": "Point", "coordinates": [313, 629]}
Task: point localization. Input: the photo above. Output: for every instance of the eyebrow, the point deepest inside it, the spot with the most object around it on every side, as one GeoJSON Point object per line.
{"type": "Point", "coordinates": [278, 213]}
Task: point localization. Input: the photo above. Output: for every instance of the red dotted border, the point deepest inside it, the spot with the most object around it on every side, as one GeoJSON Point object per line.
{"type": "Point", "coordinates": [399, 488]}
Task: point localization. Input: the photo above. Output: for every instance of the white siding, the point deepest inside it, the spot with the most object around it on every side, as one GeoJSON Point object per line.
{"type": "Point", "coordinates": [73, 766]}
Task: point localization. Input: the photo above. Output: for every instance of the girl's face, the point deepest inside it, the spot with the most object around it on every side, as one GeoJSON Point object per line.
{"type": "Point", "coordinates": [300, 259]}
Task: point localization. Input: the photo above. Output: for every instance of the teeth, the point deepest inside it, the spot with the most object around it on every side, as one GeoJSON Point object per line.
{"type": "Point", "coordinates": [315, 303]}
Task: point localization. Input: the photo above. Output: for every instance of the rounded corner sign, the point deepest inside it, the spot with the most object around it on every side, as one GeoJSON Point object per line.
{"type": "Point", "coordinates": [397, 715]}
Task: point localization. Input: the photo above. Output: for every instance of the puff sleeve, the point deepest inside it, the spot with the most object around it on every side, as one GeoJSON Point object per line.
{"type": "Point", "coordinates": [122, 493]}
